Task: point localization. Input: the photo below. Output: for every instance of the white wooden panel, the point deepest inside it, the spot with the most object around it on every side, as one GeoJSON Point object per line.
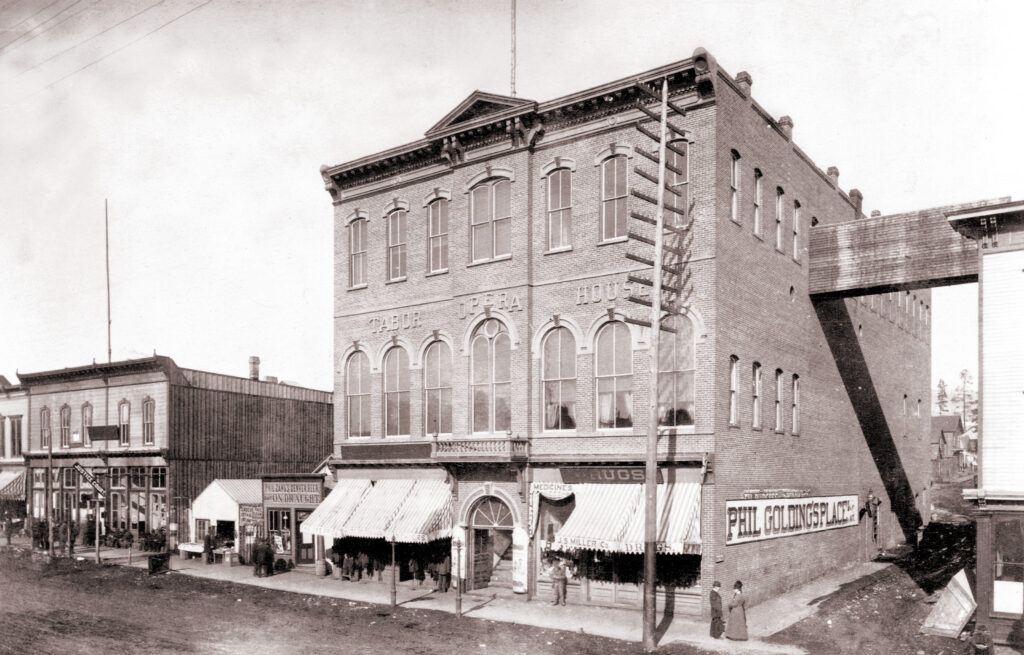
{"type": "Point", "coordinates": [1003, 370]}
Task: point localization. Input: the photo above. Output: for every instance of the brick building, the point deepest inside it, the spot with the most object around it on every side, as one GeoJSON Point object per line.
{"type": "Point", "coordinates": [175, 431]}
{"type": "Point", "coordinates": [483, 347]}
{"type": "Point", "coordinates": [13, 408]}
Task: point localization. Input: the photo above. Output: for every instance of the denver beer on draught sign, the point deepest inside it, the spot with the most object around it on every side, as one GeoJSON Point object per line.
{"type": "Point", "coordinates": [752, 520]}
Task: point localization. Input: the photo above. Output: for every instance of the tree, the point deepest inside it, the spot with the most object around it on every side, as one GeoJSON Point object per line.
{"type": "Point", "coordinates": [965, 382]}
{"type": "Point", "coordinates": [942, 397]}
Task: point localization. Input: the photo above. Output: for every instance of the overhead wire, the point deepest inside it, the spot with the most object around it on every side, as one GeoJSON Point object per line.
{"type": "Point", "coordinates": [25, 20]}
{"type": "Point", "coordinates": [7, 48]}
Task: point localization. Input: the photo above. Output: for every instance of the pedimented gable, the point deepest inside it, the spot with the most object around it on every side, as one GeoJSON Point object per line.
{"type": "Point", "coordinates": [477, 105]}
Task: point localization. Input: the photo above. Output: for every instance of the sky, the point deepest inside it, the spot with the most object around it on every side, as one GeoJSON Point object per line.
{"type": "Point", "coordinates": [203, 124]}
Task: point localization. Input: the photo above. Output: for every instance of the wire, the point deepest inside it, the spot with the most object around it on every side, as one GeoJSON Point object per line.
{"type": "Point", "coordinates": [113, 52]}
{"type": "Point", "coordinates": [7, 48]}
{"type": "Point", "coordinates": [26, 20]}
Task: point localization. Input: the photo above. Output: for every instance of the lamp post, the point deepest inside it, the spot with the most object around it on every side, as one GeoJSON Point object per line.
{"type": "Point", "coordinates": [394, 574]}
{"type": "Point", "coordinates": [458, 571]}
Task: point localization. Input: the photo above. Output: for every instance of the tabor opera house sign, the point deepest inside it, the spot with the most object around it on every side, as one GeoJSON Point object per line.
{"type": "Point", "coordinates": [768, 518]}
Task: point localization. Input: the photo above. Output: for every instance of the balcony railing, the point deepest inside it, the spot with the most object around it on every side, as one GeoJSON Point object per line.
{"type": "Point", "coordinates": [502, 449]}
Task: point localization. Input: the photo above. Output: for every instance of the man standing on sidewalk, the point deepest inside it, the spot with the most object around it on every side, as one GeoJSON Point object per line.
{"type": "Point", "coordinates": [717, 625]}
{"type": "Point", "coordinates": [444, 573]}
{"type": "Point", "coordinates": [559, 580]}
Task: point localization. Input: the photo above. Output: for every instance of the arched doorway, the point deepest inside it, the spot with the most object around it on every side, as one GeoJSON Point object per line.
{"type": "Point", "coordinates": [490, 525]}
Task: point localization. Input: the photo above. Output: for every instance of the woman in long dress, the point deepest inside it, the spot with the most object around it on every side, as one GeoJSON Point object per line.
{"type": "Point", "coordinates": [736, 628]}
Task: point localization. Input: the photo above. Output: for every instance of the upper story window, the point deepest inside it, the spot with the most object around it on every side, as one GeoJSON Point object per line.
{"type": "Point", "coordinates": [397, 238]}
{"type": "Point", "coordinates": [757, 392]}
{"type": "Point", "coordinates": [779, 193]}
{"type": "Point", "coordinates": [796, 230]}
{"type": "Point", "coordinates": [357, 394]}
{"type": "Point", "coordinates": [796, 404]}
{"type": "Point", "coordinates": [15, 436]}
{"type": "Point", "coordinates": [148, 412]}
{"type": "Point", "coordinates": [677, 177]}
{"type": "Point", "coordinates": [559, 196]}
{"type": "Point", "coordinates": [614, 218]}
{"type": "Point", "coordinates": [734, 187]}
{"type": "Point", "coordinates": [758, 188]}
{"type": "Point", "coordinates": [734, 385]}
{"type": "Point", "coordinates": [437, 385]}
{"type": "Point", "coordinates": [778, 400]}
{"type": "Point", "coordinates": [677, 370]}
{"type": "Point", "coordinates": [357, 252]}
{"type": "Point", "coordinates": [396, 393]}
{"type": "Point", "coordinates": [124, 413]}
{"type": "Point", "coordinates": [437, 218]}
{"type": "Point", "coordinates": [491, 219]}
{"type": "Point", "coordinates": [44, 427]}
{"type": "Point", "coordinates": [65, 426]}
{"type": "Point", "coordinates": [614, 376]}
{"type": "Point", "coordinates": [558, 371]}
{"type": "Point", "coordinates": [86, 422]}
{"type": "Point", "coordinates": [491, 367]}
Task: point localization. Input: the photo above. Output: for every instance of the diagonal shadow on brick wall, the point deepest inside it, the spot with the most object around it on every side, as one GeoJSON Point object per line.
{"type": "Point", "coordinates": [845, 346]}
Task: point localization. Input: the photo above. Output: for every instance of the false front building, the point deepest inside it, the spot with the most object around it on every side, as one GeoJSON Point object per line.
{"type": "Point", "coordinates": [493, 386]}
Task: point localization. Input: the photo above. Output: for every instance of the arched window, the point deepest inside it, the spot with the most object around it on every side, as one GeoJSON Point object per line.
{"type": "Point", "coordinates": [491, 218]}
{"type": "Point", "coordinates": [65, 426]}
{"type": "Point", "coordinates": [614, 376]}
{"type": "Point", "coordinates": [734, 384]}
{"type": "Point", "coordinates": [396, 244]}
{"type": "Point", "coordinates": [148, 421]}
{"type": "Point", "coordinates": [396, 393]}
{"type": "Point", "coordinates": [438, 235]}
{"type": "Point", "coordinates": [491, 513]}
{"type": "Point", "coordinates": [676, 370]}
{"type": "Point", "coordinates": [492, 378]}
{"type": "Point", "coordinates": [44, 427]}
{"type": "Point", "coordinates": [558, 371]}
{"type": "Point", "coordinates": [677, 178]}
{"type": "Point", "coordinates": [778, 400]}
{"type": "Point", "coordinates": [613, 198]}
{"type": "Point", "coordinates": [796, 230]}
{"type": "Point", "coordinates": [124, 415]}
{"type": "Point", "coordinates": [734, 187]}
{"type": "Point", "coordinates": [357, 252]}
{"type": "Point", "coordinates": [755, 421]}
{"type": "Point", "coordinates": [758, 179]}
{"type": "Point", "coordinates": [437, 385]}
{"type": "Point", "coordinates": [796, 404]}
{"type": "Point", "coordinates": [779, 193]}
{"type": "Point", "coordinates": [357, 394]}
{"type": "Point", "coordinates": [559, 192]}
{"type": "Point", "coordinates": [86, 422]}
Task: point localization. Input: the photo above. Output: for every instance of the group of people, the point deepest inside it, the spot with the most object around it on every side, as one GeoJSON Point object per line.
{"type": "Point", "coordinates": [735, 627]}
{"type": "Point", "coordinates": [262, 558]}
{"type": "Point", "coordinates": [361, 566]}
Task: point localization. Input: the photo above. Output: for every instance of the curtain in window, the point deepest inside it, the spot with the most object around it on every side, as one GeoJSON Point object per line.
{"type": "Point", "coordinates": [357, 395]}
{"type": "Point", "coordinates": [491, 378]}
{"type": "Point", "coordinates": [559, 374]}
{"type": "Point", "coordinates": [615, 376]}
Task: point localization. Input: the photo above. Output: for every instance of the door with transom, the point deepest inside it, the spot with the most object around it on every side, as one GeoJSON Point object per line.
{"type": "Point", "coordinates": [491, 541]}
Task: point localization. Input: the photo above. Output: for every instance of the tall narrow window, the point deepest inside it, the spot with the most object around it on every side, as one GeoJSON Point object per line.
{"type": "Point", "coordinates": [676, 391]}
{"type": "Point", "coordinates": [778, 400]}
{"type": "Point", "coordinates": [677, 177]}
{"type": "Point", "coordinates": [734, 187]}
{"type": "Point", "coordinates": [357, 394]}
{"type": "Point", "coordinates": [492, 378]}
{"type": "Point", "coordinates": [491, 211]}
{"type": "Point", "coordinates": [758, 179]}
{"type": "Point", "coordinates": [86, 422]}
{"type": "Point", "coordinates": [15, 436]}
{"type": "Point", "coordinates": [613, 198]}
{"type": "Point", "coordinates": [124, 414]}
{"type": "Point", "coordinates": [396, 244]}
{"type": "Point", "coordinates": [756, 419]}
{"type": "Point", "coordinates": [559, 191]}
{"type": "Point", "coordinates": [438, 238]}
{"type": "Point", "coordinates": [796, 230]}
{"type": "Point", "coordinates": [734, 384]}
{"type": "Point", "coordinates": [357, 252]}
{"type": "Point", "coordinates": [558, 371]}
{"type": "Point", "coordinates": [396, 393]}
{"type": "Point", "coordinates": [437, 384]}
{"type": "Point", "coordinates": [614, 376]}
{"type": "Point", "coordinates": [779, 193]}
{"type": "Point", "coordinates": [796, 404]}
{"type": "Point", "coordinates": [148, 421]}
{"type": "Point", "coordinates": [65, 426]}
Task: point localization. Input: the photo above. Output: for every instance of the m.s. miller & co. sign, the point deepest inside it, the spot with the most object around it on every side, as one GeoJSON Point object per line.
{"type": "Point", "coordinates": [768, 518]}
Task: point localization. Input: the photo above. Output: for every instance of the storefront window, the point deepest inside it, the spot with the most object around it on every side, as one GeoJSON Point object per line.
{"type": "Point", "coordinates": [116, 513]}
{"type": "Point", "coordinates": [117, 476]}
{"type": "Point", "coordinates": [138, 476]}
{"type": "Point", "coordinates": [157, 511]}
{"type": "Point", "coordinates": [280, 529]}
{"type": "Point", "coordinates": [1008, 578]}
{"type": "Point", "coordinates": [158, 477]}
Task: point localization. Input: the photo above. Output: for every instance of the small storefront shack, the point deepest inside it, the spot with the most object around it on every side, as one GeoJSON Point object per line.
{"type": "Point", "coordinates": [12, 499]}
{"type": "Point", "coordinates": [233, 509]}
{"type": "Point", "coordinates": [288, 502]}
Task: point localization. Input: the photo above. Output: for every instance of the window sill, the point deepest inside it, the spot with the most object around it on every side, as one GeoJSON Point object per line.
{"type": "Point", "coordinates": [557, 433]}
{"type": "Point", "coordinates": [502, 258]}
{"type": "Point", "coordinates": [397, 437]}
{"type": "Point", "coordinates": [758, 236]}
{"type": "Point", "coordinates": [676, 430]}
{"type": "Point", "coordinates": [734, 425]}
{"type": "Point", "coordinates": [616, 431]}
{"type": "Point", "coordinates": [555, 251]}
{"type": "Point", "coordinates": [735, 221]}
{"type": "Point", "coordinates": [756, 428]}
{"type": "Point", "coordinates": [443, 271]}
{"type": "Point", "coordinates": [396, 280]}
{"type": "Point", "coordinates": [358, 287]}
{"type": "Point", "coordinates": [608, 242]}
{"type": "Point", "coordinates": [778, 431]}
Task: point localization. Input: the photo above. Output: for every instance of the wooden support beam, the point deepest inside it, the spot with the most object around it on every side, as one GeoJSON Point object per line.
{"type": "Point", "coordinates": [647, 324]}
{"type": "Point", "coordinates": [683, 134]}
{"type": "Point", "coordinates": [644, 281]}
{"type": "Point", "coordinates": [643, 196]}
{"type": "Point", "coordinates": [641, 238]}
{"type": "Point", "coordinates": [644, 218]}
{"type": "Point", "coordinates": [640, 259]}
{"type": "Point", "coordinates": [654, 158]}
{"type": "Point", "coordinates": [654, 178]}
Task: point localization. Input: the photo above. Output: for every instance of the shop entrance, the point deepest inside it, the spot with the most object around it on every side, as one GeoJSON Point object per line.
{"type": "Point", "coordinates": [491, 556]}
{"type": "Point", "coordinates": [304, 545]}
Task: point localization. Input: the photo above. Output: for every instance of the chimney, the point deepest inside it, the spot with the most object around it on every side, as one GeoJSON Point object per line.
{"type": "Point", "coordinates": [786, 125]}
{"type": "Point", "coordinates": [875, 213]}
{"type": "Point", "coordinates": [744, 82]}
{"type": "Point", "coordinates": [254, 368]}
{"type": "Point", "coordinates": [271, 379]}
{"type": "Point", "coordinates": [858, 201]}
{"type": "Point", "coordinates": [833, 174]}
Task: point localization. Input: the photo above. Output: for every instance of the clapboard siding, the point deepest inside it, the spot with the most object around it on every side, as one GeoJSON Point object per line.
{"type": "Point", "coordinates": [188, 478]}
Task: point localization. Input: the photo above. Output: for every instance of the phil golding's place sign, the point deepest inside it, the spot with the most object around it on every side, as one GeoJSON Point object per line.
{"type": "Point", "coordinates": [768, 518]}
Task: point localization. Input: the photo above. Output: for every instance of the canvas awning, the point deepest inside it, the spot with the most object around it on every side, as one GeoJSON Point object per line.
{"type": "Point", "coordinates": [378, 508]}
{"type": "Point", "coordinates": [12, 485]}
{"type": "Point", "coordinates": [678, 521]}
{"type": "Point", "coordinates": [425, 515]}
{"type": "Point", "coordinates": [330, 515]}
{"type": "Point", "coordinates": [600, 517]}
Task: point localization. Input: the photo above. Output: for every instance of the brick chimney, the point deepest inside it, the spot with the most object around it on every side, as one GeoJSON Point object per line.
{"type": "Point", "coordinates": [254, 368]}
{"type": "Point", "coordinates": [833, 174]}
{"type": "Point", "coordinates": [786, 125]}
{"type": "Point", "coordinates": [875, 213]}
{"type": "Point", "coordinates": [858, 201]}
{"type": "Point", "coordinates": [744, 82]}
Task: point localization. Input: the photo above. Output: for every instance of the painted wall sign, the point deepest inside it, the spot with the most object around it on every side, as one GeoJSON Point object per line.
{"type": "Point", "coordinates": [504, 301]}
{"type": "Point", "coordinates": [250, 515]}
{"type": "Point", "coordinates": [591, 293]}
{"type": "Point", "coordinates": [769, 518]}
{"type": "Point", "coordinates": [291, 493]}
{"type": "Point", "coordinates": [520, 541]}
{"type": "Point", "coordinates": [750, 494]}
{"type": "Point", "coordinates": [605, 474]}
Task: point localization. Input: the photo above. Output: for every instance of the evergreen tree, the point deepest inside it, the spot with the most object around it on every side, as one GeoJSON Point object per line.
{"type": "Point", "coordinates": [965, 383]}
{"type": "Point", "coordinates": [942, 397]}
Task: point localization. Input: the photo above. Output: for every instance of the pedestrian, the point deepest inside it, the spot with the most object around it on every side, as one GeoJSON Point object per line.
{"type": "Point", "coordinates": [559, 580]}
{"type": "Point", "coordinates": [347, 565]}
{"type": "Point", "coordinates": [378, 568]}
{"type": "Point", "coordinates": [257, 558]}
{"type": "Point", "coordinates": [980, 641]}
{"type": "Point", "coordinates": [717, 625]}
{"type": "Point", "coordinates": [871, 509]}
{"type": "Point", "coordinates": [736, 628]}
{"type": "Point", "coordinates": [268, 559]}
{"type": "Point", "coordinates": [414, 570]}
{"type": "Point", "coordinates": [209, 543]}
{"type": "Point", "coordinates": [444, 573]}
{"type": "Point", "coordinates": [363, 565]}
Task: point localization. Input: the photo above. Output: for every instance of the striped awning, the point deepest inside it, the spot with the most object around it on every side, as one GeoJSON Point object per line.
{"type": "Point", "coordinates": [600, 517]}
{"type": "Point", "coordinates": [328, 519]}
{"type": "Point", "coordinates": [678, 521]}
{"type": "Point", "coordinates": [12, 485]}
{"type": "Point", "coordinates": [380, 505]}
{"type": "Point", "coordinates": [425, 515]}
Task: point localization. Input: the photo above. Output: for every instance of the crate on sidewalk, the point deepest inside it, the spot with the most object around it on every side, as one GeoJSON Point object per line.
{"type": "Point", "coordinates": [231, 558]}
